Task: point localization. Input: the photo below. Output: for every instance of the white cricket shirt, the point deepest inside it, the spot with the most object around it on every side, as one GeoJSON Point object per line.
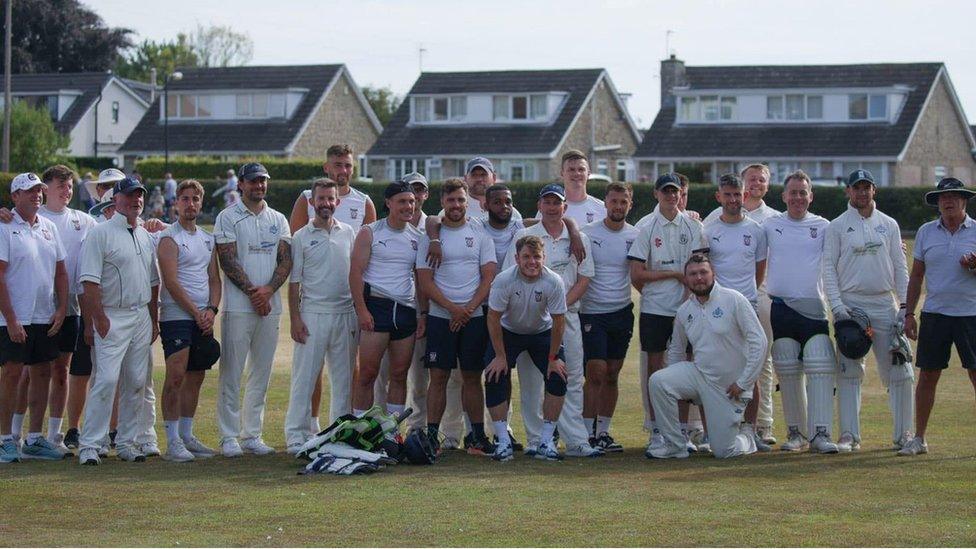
{"type": "Point", "coordinates": [320, 262]}
{"type": "Point", "coordinates": [31, 253]}
{"type": "Point", "coordinates": [466, 249]}
{"type": "Point", "coordinates": [351, 209]}
{"type": "Point", "coordinates": [609, 288]}
{"type": "Point", "coordinates": [393, 254]}
{"type": "Point", "coordinates": [73, 227]}
{"type": "Point", "coordinates": [122, 260]}
{"type": "Point", "coordinates": [665, 245]}
{"type": "Point", "coordinates": [558, 257]}
{"type": "Point", "coordinates": [734, 250]}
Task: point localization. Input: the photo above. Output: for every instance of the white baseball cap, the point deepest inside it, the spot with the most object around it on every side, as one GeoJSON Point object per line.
{"type": "Point", "coordinates": [111, 175]}
{"type": "Point", "coordinates": [26, 181]}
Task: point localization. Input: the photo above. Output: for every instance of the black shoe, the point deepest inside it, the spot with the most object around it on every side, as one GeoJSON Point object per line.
{"type": "Point", "coordinates": [71, 439]}
{"type": "Point", "coordinates": [516, 445]}
{"type": "Point", "coordinates": [555, 437]}
{"type": "Point", "coordinates": [478, 446]}
{"type": "Point", "coordinates": [607, 444]}
{"type": "Point", "coordinates": [594, 442]}
{"type": "Point", "coordinates": [111, 438]}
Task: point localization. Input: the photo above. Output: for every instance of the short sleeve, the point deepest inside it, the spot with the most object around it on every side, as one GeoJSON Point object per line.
{"type": "Point", "coordinates": [224, 232]}
{"type": "Point", "coordinates": [90, 264]}
{"type": "Point", "coordinates": [760, 244]}
{"type": "Point", "coordinates": [423, 245]}
{"type": "Point", "coordinates": [557, 298]}
{"type": "Point", "coordinates": [297, 258]}
{"type": "Point", "coordinates": [641, 248]}
{"type": "Point", "coordinates": [587, 268]}
{"type": "Point", "coordinates": [285, 228]}
{"type": "Point", "coordinates": [154, 269]}
{"type": "Point", "coordinates": [4, 245]}
{"type": "Point", "coordinates": [499, 295]}
{"type": "Point", "coordinates": [487, 252]}
{"type": "Point", "coordinates": [918, 252]}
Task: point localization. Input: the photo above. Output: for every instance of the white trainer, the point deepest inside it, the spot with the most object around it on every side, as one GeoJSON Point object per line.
{"type": "Point", "coordinates": [58, 442]}
{"type": "Point", "coordinates": [689, 445]}
{"type": "Point", "coordinates": [130, 453]}
{"type": "Point", "coordinates": [294, 448]}
{"type": "Point", "coordinates": [903, 440]}
{"type": "Point", "coordinates": [656, 440]}
{"type": "Point", "coordinates": [89, 456]}
{"type": "Point", "coordinates": [198, 449]}
{"type": "Point", "coordinates": [821, 444]}
{"type": "Point", "coordinates": [150, 449]}
{"type": "Point", "coordinates": [584, 450]}
{"type": "Point", "coordinates": [665, 451]}
{"type": "Point", "coordinates": [794, 441]}
{"type": "Point", "coordinates": [748, 445]}
{"type": "Point", "coordinates": [230, 448]}
{"type": "Point", "coordinates": [176, 451]}
{"type": "Point", "coordinates": [847, 443]}
{"type": "Point", "coordinates": [257, 447]}
{"type": "Point", "coordinates": [915, 447]}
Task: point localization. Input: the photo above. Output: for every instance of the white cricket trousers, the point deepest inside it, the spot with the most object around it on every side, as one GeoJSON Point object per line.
{"type": "Point", "coordinates": [532, 390]}
{"type": "Point", "coordinates": [122, 355]}
{"type": "Point", "coordinates": [765, 416]}
{"type": "Point", "coordinates": [684, 381]}
{"type": "Point", "coordinates": [332, 341]}
{"type": "Point", "coordinates": [252, 339]}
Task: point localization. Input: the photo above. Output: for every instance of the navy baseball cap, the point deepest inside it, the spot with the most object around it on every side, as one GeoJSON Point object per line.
{"type": "Point", "coordinates": [669, 179]}
{"type": "Point", "coordinates": [553, 188]}
{"type": "Point", "coordinates": [860, 175]}
{"type": "Point", "coordinates": [251, 170]}
{"type": "Point", "coordinates": [479, 162]}
{"type": "Point", "coordinates": [204, 352]}
{"type": "Point", "coordinates": [127, 186]}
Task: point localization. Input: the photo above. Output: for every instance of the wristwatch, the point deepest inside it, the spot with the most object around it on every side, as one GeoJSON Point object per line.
{"type": "Point", "coordinates": [213, 308]}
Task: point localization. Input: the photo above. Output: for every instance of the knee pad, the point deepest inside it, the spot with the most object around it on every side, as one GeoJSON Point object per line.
{"type": "Point", "coordinates": [786, 356]}
{"type": "Point", "coordinates": [555, 385]}
{"type": "Point", "coordinates": [850, 369]}
{"type": "Point", "coordinates": [497, 392]}
{"type": "Point", "coordinates": [818, 355]}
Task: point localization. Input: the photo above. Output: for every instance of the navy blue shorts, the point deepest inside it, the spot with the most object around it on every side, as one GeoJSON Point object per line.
{"type": "Point", "coordinates": [788, 323]}
{"type": "Point", "coordinates": [177, 335]}
{"type": "Point", "coordinates": [466, 347]}
{"type": "Point", "coordinates": [537, 345]}
{"type": "Point", "coordinates": [607, 336]}
{"type": "Point", "coordinates": [655, 332]}
{"type": "Point", "coordinates": [81, 361]}
{"type": "Point", "coordinates": [67, 336]}
{"type": "Point", "coordinates": [937, 333]}
{"type": "Point", "coordinates": [37, 348]}
{"type": "Point", "coordinates": [390, 317]}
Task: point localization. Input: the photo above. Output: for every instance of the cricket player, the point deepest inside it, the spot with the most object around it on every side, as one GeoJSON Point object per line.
{"type": "Point", "coordinates": [479, 175]}
{"type": "Point", "coordinates": [682, 204]}
{"type": "Point", "coordinates": [33, 305]}
{"type": "Point", "coordinates": [526, 309]}
{"type": "Point", "coordinates": [737, 251]}
{"type": "Point", "coordinates": [657, 258]}
{"type": "Point", "coordinates": [580, 206]}
{"type": "Point", "coordinates": [801, 340]}
{"type": "Point", "coordinates": [723, 328]}
{"type": "Point", "coordinates": [456, 332]}
{"type": "Point", "coordinates": [254, 250]}
{"type": "Point", "coordinates": [607, 314]}
{"type": "Point", "coordinates": [945, 258]}
{"type": "Point", "coordinates": [121, 289]}
{"type": "Point", "coordinates": [576, 279]}
{"type": "Point", "coordinates": [323, 321]}
{"type": "Point", "coordinates": [189, 301]}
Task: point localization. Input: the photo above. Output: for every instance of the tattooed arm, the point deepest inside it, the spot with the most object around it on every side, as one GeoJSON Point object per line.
{"type": "Point", "coordinates": [227, 256]}
{"type": "Point", "coordinates": [261, 296]}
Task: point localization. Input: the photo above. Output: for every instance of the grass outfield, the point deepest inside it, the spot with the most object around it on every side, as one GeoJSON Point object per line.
{"type": "Point", "coordinates": [870, 498]}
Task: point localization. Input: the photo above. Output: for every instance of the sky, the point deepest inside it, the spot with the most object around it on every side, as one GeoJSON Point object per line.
{"type": "Point", "coordinates": [380, 41]}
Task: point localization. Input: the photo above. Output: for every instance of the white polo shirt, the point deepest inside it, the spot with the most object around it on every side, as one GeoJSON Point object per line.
{"type": "Point", "coordinates": [609, 290]}
{"type": "Point", "coordinates": [257, 237]}
{"type": "Point", "coordinates": [31, 253]}
{"type": "Point", "coordinates": [73, 227]}
{"type": "Point", "coordinates": [320, 262]}
{"type": "Point", "coordinates": [863, 256]}
{"type": "Point", "coordinates": [950, 289]}
{"type": "Point", "coordinates": [466, 249]}
{"type": "Point", "coordinates": [503, 238]}
{"type": "Point", "coordinates": [734, 250]}
{"type": "Point", "coordinates": [122, 260]}
{"type": "Point", "coordinates": [393, 254]}
{"type": "Point", "coordinates": [558, 257]}
{"type": "Point", "coordinates": [665, 245]}
{"type": "Point", "coordinates": [351, 209]}
{"type": "Point", "coordinates": [194, 253]}
{"type": "Point", "coordinates": [526, 305]}
{"type": "Point", "coordinates": [588, 210]}
{"type": "Point", "coordinates": [795, 253]}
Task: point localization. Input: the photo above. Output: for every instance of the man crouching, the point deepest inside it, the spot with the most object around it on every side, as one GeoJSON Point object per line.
{"type": "Point", "coordinates": [729, 346]}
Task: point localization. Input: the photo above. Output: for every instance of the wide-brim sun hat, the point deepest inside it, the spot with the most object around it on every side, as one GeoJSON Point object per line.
{"type": "Point", "coordinates": [948, 185]}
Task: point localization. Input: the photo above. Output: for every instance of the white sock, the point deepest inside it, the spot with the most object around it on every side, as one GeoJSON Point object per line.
{"type": "Point", "coordinates": [548, 428]}
{"type": "Point", "coordinates": [172, 430]}
{"type": "Point", "coordinates": [590, 424]}
{"type": "Point", "coordinates": [603, 425]}
{"type": "Point", "coordinates": [357, 412]}
{"type": "Point", "coordinates": [395, 409]}
{"type": "Point", "coordinates": [32, 437]}
{"type": "Point", "coordinates": [17, 426]}
{"type": "Point", "coordinates": [53, 428]}
{"type": "Point", "coordinates": [186, 427]}
{"type": "Point", "coordinates": [501, 431]}
{"type": "Point", "coordinates": [315, 425]}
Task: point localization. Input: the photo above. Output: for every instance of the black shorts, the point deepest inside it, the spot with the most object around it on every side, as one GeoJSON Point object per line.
{"type": "Point", "coordinates": [606, 336]}
{"type": "Point", "coordinates": [466, 347]}
{"type": "Point", "coordinates": [390, 317]}
{"type": "Point", "coordinates": [788, 323]}
{"type": "Point", "coordinates": [536, 345]}
{"type": "Point", "coordinates": [655, 332]}
{"type": "Point", "coordinates": [936, 335]}
{"type": "Point", "coordinates": [36, 349]}
{"type": "Point", "coordinates": [81, 361]}
{"type": "Point", "coordinates": [68, 335]}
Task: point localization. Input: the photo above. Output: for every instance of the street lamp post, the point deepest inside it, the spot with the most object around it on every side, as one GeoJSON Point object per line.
{"type": "Point", "coordinates": [175, 76]}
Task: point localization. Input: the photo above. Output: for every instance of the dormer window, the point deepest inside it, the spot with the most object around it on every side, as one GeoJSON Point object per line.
{"type": "Point", "coordinates": [485, 108]}
{"type": "Point", "coordinates": [794, 106]}
{"type": "Point", "coordinates": [862, 106]}
{"type": "Point", "coordinates": [520, 107]}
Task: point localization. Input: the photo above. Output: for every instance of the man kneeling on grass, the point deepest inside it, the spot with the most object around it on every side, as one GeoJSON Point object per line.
{"type": "Point", "coordinates": [527, 308]}
{"type": "Point", "coordinates": [730, 348]}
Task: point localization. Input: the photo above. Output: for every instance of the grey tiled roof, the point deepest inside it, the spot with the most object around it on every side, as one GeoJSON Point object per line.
{"type": "Point", "coordinates": [88, 83]}
{"type": "Point", "coordinates": [234, 136]}
{"type": "Point", "coordinates": [760, 141]}
{"type": "Point", "coordinates": [400, 139]}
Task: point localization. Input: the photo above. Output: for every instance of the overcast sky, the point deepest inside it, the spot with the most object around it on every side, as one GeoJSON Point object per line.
{"type": "Point", "coordinates": [379, 40]}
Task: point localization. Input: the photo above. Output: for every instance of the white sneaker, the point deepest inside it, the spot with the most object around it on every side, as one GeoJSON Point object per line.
{"type": "Point", "coordinates": [821, 444]}
{"type": "Point", "coordinates": [765, 432]}
{"type": "Point", "coordinates": [547, 451]}
{"type": "Point", "coordinates": [584, 450]}
{"type": "Point", "coordinates": [58, 442]}
{"type": "Point", "coordinates": [176, 451]}
{"type": "Point", "coordinates": [89, 456]}
{"type": "Point", "coordinates": [847, 443]}
{"type": "Point", "coordinates": [704, 447]}
{"type": "Point", "coordinates": [230, 448]}
{"type": "Point", "coordinates": [665, 451]}
{"type": "Point", "coordinates": [450, 443]}
{"type": "Point", "coordinates": [294, 448]}
{"type": "Point", "coordinates": [130, 453]}
{"type": "Point", "coordinates": [257, 447]}
{"type": "Point", "coordinates": [197, 448]}
{"type": "Point", "coordinates": [696, 436]}
{"type": "Point", "coordinates": [749, 434]}
{"type": "Point", "coordinates": [689, 445]}
{"type": "Point", "coordinates": [150, 449]}
{"type": "Point", "coordinates": [903, 440]}
{"type": "Point", "coordinates": [656, 440]}
{"type": "Point", "coordinates": [915, 447]}
{"type": "Point", "coordinates": [794, 441]}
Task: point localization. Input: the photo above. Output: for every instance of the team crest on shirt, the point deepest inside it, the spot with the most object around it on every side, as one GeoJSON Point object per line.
{"type": "Point", "coordinates": [813, 232]}
{"type": "Point", "coordinates": [538, 295]}
{"type": "Point", "coordinates": [77, 224]}
{"type": "Point", "coordinates": [273, 229]}
{"type": "Point", "coordinates": [690, 318]}
{"type": "Point", "coordinates": [589, 217]}
{"type": "Point", "coordinates": [209, 246]}
{"type": "Point", "coordinates": [718, 312]}
{"type": "Point", "coordinates": [747, 239]}
{"type": "Point", "coordinates": [353, 213]}
{"type": "Point", "coordinates": [629, 244]}
{"type": "Point", "coordinates": [658, 242]}
{"type": "Point", "coordinates": [312, 243]}
{"type": "Point", "coordinates": [46, 233]}
{"type": "Point", "coordinates": [881, 229]}
{"type": "Point", "coordinates": [683, 239]}
{"type": "Point", "coordinates": [413, 244]}
{"type": "Point", "coordinates": [469, 241]}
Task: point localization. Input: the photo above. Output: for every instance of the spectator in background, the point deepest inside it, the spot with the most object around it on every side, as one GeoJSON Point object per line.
{"type": "Point", "coordinates": [86, 198]}
{"type": "Point", "coordinates": [156, 207]}
{"type": "Point", "coordinates": [169, 196]}
{"type": "Point", "coordinates": [229, 190]}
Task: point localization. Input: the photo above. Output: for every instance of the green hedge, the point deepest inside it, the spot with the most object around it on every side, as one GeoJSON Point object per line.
{"type": "Point", "coordinates": [208, 169]}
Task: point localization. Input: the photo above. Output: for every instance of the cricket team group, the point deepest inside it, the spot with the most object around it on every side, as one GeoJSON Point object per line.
{"type": "Point", "coordinates": [436, 313]}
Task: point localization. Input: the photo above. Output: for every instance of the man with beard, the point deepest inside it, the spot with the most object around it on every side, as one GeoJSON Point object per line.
{"type": "Point", "coordinates": [479, 175]}
{"type": "Point", "coordinates": [323, 321]}
{"type": "Point", "coordinates": [607, 314]}
{"type": "Point", "coordinates": [254, 249]}
{"type": "Point", "coordinates": [457, 334]}
{"type": "Point", "coordinates": [723, 328]}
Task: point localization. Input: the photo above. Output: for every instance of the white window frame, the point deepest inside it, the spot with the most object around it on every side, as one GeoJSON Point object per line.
{"type": "Point", "coordinates": [868, 117]}
{"type": "Point", "coordinates": [603, 167]}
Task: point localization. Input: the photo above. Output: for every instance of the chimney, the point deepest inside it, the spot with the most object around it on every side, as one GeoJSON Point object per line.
{"type": "Point", "coordinates": [672, 76]}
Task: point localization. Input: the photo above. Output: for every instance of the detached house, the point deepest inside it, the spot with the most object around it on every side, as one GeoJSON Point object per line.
{"type": "Point", "coordinates": [282, 111]}
{"type": "Point", "coordinates": [521, 120]}
{"type": "Point", "coordinates": [901, 121]}
{"type": "Point", "coordinates": [96, 110]}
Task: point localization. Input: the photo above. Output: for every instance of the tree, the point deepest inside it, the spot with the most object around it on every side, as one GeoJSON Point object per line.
{"type": "Point", "coordinates": [34, 142]}
{"type": "Point", "coordinates": [62, 36]}
{"type": "Point", "coordinates": [164, 56]}
{"type": "Point", "coordinates": [383, 101]}
{"type": "Point", "coordinates": [219, 46]}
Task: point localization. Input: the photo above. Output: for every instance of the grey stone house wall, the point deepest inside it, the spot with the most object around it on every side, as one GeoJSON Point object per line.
{"type": "Point", "coordinates": [341, 118]}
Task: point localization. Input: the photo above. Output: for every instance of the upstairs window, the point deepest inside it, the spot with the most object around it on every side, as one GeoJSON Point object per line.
{"type": "Point", "coordinates": [421, 109]}
{"type": "Point", "coordinates": [727, 108]}
{"type": "Point", "coordinates": [185, 105]}
{"type": "Point", "coordinates": [795, 107]}
{"type": "Point", "coordinates": [814, 107]}
{"type": "Point", "coordinates": [878, 107]}
{"type": "Point", "coordinates": [709, 107]}
{"type": "Point", "coordinates": [459, 108]}
{"type": "Point", "coordinates": [440, 108]}
{"type": "Point", "coordinates": [520, 107]}
{"type": "Point", "coordinates": [774, 107]}
{"type": "Point", "coordinates": [689, 109]}
{"type": "Point", "coordinates": [540, 107]}
{"type": "Point", "coordinates": [862, 106]}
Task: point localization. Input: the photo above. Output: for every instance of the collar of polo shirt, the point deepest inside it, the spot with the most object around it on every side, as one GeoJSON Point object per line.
{"type": "Point", "coordinates": [967, 223]}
